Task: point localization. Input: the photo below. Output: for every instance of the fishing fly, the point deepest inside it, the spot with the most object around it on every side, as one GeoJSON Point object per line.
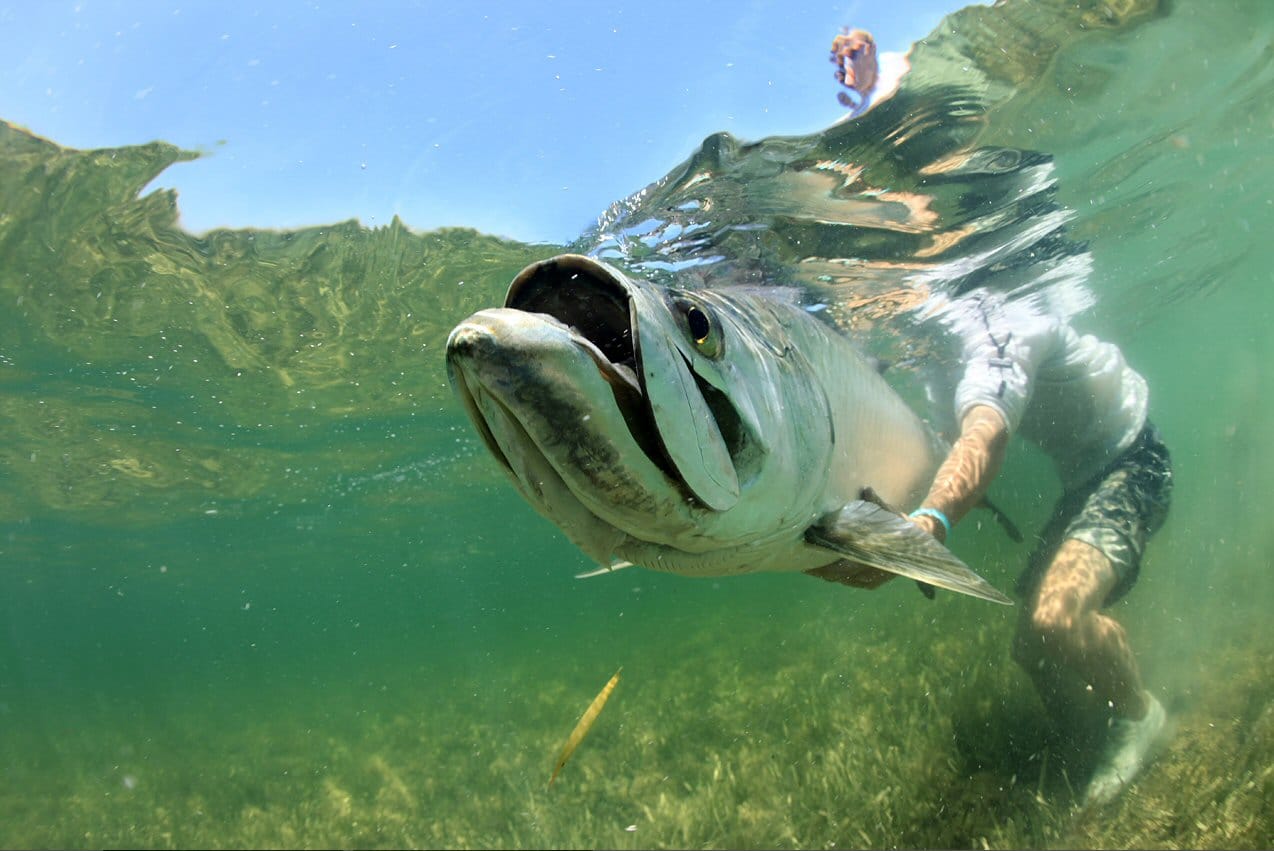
{"type": "Point", "coordinates": [585, 723]}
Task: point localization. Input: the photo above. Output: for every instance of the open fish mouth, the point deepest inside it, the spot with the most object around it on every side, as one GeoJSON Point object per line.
{"type": "Point", "coordinates": [598, 309]}
{"type": "Point", "coordinates": [580, 295]}
{"type": "Point", "coordinates": [551, 383]}
{"type": "Point", "coordinates": [598, 372]}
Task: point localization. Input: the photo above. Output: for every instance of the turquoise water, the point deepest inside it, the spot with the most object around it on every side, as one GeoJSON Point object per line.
{"type": "Point", "coordinates": [260, 583]}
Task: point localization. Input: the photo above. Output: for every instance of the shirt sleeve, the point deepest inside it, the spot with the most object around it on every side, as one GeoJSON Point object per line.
{"type": "Point", "coordinates": [1003, 347]}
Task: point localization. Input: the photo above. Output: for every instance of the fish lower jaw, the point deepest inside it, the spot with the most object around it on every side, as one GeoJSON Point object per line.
{"type": "Point", "coordinates": [538, 480]}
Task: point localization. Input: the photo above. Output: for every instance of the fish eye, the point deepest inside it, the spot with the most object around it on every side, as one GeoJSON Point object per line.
{"type": "Point", "coordinates": [701, 326]}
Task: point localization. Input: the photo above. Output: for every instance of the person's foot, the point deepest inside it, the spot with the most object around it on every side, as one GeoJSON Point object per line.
{"type": "Point", "coordinates": [1128, 749]}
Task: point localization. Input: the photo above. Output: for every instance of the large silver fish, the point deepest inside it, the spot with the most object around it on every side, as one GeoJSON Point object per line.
{"type": "Point", "coordinates": [703, 433]}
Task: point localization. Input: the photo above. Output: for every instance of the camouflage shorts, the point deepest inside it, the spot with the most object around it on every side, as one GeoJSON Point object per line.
{"type": "Point", "coordinates": [1116, 512]}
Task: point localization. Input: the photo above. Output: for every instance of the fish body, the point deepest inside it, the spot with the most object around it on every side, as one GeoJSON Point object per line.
{"type": "Point", "coordinates": [699, 432]}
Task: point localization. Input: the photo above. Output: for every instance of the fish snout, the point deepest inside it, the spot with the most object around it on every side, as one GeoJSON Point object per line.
{"type": "Point", "coordinates": [467, 341]}
{"type": "Point", "coordinates": [476, 338]}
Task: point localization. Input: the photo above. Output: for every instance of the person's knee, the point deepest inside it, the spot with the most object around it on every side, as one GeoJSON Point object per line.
{"type": "Point", "coordinates": [1056, 627]}
{"type": "Point", "coordinates": [1046, 634]}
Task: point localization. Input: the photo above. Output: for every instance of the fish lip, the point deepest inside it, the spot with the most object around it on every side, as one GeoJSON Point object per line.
{"type": "Point", "coordinates": [473, 338]}
{"type": "Point", "coordinates": [599, 307]}
{"type": "Point", "coordinates": [621, 378]}
{"type": "Point", "coordinates": [586, 296]}
{"type": "Point", "coordinates": [563, 444]}
{"type": "Point", "coordinates": [595, 305]}
{"type": "Point", "coordinates": [468, 393]}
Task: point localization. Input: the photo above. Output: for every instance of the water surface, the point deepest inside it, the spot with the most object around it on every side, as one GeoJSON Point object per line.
{"type": "Point", "coordinates": [261, 585]}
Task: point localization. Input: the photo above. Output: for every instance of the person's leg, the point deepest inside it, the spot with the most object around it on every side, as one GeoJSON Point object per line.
{"type": "Point", "coordinates": [1083, 667]}
{"type": "Point", "coordinates": [1077, 655]}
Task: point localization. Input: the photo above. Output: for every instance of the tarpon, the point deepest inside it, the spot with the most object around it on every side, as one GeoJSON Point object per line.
{"type": "Point", "coordinates": [699, 432]}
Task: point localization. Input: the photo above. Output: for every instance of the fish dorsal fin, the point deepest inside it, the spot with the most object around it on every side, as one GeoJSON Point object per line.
{"type": "Point", "coordinates": [869, 534]}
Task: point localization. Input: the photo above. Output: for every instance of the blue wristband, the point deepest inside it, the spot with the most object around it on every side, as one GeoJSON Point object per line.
{"type": "Point", "coordinates": [935, 514]}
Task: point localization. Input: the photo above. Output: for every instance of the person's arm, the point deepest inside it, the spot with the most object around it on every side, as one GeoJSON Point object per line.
{"type": "Point", "coordinates": [964, 476]}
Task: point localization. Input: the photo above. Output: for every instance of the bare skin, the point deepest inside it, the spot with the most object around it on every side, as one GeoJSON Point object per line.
{"type": "Point", "coordinates": [972, 463]}
{"type": "Point", "coordinates": [854, 54]}
{"type": "Point", "coordinates": [1078, 657]}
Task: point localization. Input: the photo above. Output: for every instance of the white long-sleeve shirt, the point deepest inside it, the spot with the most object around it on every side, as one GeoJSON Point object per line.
{"type": "Point", "coordinates": [1071, 394]}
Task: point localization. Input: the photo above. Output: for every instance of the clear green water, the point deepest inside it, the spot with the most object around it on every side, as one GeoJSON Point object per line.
{"type": "Point", "coordinates": [260, 584]}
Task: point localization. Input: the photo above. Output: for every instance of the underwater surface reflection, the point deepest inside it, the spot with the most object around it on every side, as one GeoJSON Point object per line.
{"type": "Point", "coordinates": [261, 584]}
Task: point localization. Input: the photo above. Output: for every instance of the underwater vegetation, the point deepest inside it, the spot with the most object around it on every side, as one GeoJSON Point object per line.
{"type": "Point", "coordinates": [197, 359]}
{"type": "Point", "coordinates": [905, 739]}
{"type": "Point", "coordinates": [260, 586]}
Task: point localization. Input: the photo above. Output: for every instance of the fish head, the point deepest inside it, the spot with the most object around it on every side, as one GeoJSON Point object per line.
{"type": "Point", "coordinates": [682, 426]}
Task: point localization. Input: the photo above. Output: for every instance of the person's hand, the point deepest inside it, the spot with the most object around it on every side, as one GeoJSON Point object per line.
{"type": "Point", "coordinates": [854, 54]}
{"type": "Point", "coordinates": [931, 525]}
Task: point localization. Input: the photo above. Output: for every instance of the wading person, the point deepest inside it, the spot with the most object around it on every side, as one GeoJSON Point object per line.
{"type": "Point", "coordinates": [867, 78]}
{"type": "Point", "coordinates": [1076, 398]}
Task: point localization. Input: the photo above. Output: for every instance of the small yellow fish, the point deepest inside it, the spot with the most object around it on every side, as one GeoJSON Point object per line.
{"type": "Point", "coordinates": [585, 722]}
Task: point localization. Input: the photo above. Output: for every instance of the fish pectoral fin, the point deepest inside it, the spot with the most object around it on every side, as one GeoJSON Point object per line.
{"type": "Point", "coordinates": [868, 534]}
{"type": "Point", "coordinates": [853, 574]}
{"type": "Point", "coordinates": [605, 569]}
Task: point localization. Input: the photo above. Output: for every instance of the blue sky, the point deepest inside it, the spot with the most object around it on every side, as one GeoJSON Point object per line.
{"type": "Point", "coordinates": [522, 119]}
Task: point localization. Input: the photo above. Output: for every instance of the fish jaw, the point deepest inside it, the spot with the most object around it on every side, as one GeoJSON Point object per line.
{"type": "Point", "coordinates": [551, 414]}
{"type": "Point", "coordinates": [633, 324]}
